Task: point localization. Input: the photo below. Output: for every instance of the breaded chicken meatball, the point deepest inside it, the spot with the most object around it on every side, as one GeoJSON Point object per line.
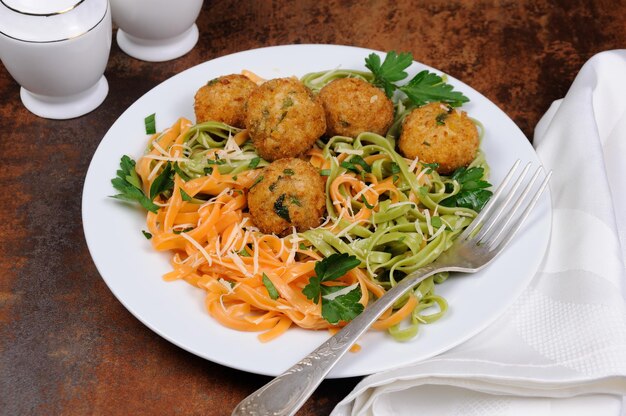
{"type": "Point", "coordinates": [353, 106]}
{"type": "Point", "coordinates": [284, 118]}
{"type": "Point", "coordinates": [437, 133]}
{"type": "Point", "coordinates": [289, 193]}
{"type": "Point", "coordinates": [223, 99]}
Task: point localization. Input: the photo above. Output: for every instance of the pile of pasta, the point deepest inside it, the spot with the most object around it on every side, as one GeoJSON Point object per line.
{"type": "Point", "coordinates": [388, 216]}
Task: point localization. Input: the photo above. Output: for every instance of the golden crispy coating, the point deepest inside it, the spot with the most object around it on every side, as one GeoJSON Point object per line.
{"type": "Point", "coordinates": [223, 99]}
{"type": "Point", "coordinates": [284, 118]}
{"type": "Point", "coordinates": [290, 193]}
{"type": "Point", "coordinates": [353, 106]}
{"type": "Point", "coordinates": [436, 133]}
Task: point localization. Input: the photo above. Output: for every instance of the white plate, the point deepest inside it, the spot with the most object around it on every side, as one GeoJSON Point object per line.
{"type": "Point", "coordinates": [175, 310]}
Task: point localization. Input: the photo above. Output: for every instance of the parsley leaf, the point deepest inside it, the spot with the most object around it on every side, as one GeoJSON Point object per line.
{"type": "Point", "coordinates": [367, 204]}
{"type": "Point", "coordinates": [150, 123]}
{"type": "Point", "coordinates": [423, 88]}
{"type": "Point", "coordinates": [280, 208]}
{"type": "Point", "coordinates": [426, 87]}
{"type": "Point", "coordinates": [254, 163]}
{"type": "Point", "coordinates": [127, 182]}
{"type": "Point", "coordinates": [335, 307]}
{"type": "Point", "coordinates": [335, 266]}
{"type": "Point", "coordinates": [256, 181]}
{"type": "Point", "coordinates": [343, 307]}
{"type": "Point", "coordinates": [355, 161]}
{"type": "Point", "coordinates": [271, 289]}
{"type": "Point", "coordinates": [163, 182]}
{"type": "Point", "coordinates": [180, 172]}
{"type": "Point", "coordinates": [473, 194]}
{"type": "Point", "coordinates": [390, 71]}
{"type": "Point", "coordinates": [430, 167]}
{"type": "Point", "coordinates": [313, 290]}
{"type": "Point", "coordinates": [184, 195]}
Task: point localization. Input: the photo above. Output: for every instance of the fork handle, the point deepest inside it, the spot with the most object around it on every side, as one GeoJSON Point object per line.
{"type": "Point", "coordinates": [286, 393]}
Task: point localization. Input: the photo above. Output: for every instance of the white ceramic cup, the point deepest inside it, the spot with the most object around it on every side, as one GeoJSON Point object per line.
{"type": "Point", "coordinates": [156, 30]}
{"type": "Point", "coordinates": [57, 50]}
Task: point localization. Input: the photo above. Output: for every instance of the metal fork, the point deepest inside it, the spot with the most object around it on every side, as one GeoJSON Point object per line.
{"type": "Point", "coordinates": [474, 249]}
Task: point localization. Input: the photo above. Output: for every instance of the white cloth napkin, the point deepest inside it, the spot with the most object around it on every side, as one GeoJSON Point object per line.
{"type": "Point", "coordinates": [561, 348]}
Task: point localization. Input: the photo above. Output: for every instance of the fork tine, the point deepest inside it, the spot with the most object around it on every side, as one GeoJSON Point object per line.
{"type": "Point", "coordinates": [512, 230]}
{"type": "Point", "coordinates": [507, 208]}
{"type": "Point", "coordinates": [503, 207]}
{"type": "Point", "coordinates": [492, 202]}
{"type": "Point", "coordinates": [511, 211]}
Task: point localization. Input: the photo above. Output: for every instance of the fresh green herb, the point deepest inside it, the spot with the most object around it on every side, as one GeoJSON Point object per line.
{"type": "Point", "coordinates": [184, 195]}
{"type": "Point", "coordinates": [256, 181]}
{"type": "Point", "coordinates": [391, 70]}
{"type": "Point", "coordinates": [423, 88]}
{"type": "Point", "coordinates": [325, 172]}
{"type": "Point", "coordinates": [295, 201]}
{"type": "Point", "coordinates": [127, 182]}
{"type": "Point", "coordinates": [208, 170]}
{"type": "Point", "coordinates": [473, 194]}
{"type": "Point", "coordinates": [271, 289]}
{"type": "Point", "coordinates": [340, 307]}
{"type": "Point", "coordinates": [212, 82]}
{"type": "Point", "coordinates": [150, 123]}
{"type": "Point", "coordinates": [303, 246]}
{"type": "Point", "coordinates": [355, 161]}
{"type": "Point", "coordinates": [361, 162]}
{"type": "Point", "coordinates": [180, 172]}
{"type": "Point", "coordinates": [289, 172]}
{"type": "Point", "coordinates": [273, 185]}
{"type": "Point", "coordinates": [146, 234]}
{"type": "Point", "coordinates": [366, 203]}
{"type": "Point", "coordinates": [395, 168]}
{"type": "Point", "coordinates": [254, 163]}
{"type": "Point", "coordinates": [163, 182]}
{"type": "Point", "coordinates": [428, 87]}
{"type": "Point", "coordinates": [183, 230]}
{"type": "Point", "coordinates": [215, 161]}
{"type": "Point", "coordinates": [243, 253]}
{"type": "Point", "coordinates": [441, 119]}
{"type": "Point", "coordinates": [280, 208]}
{"type": "Point", "coordinates": [430, 167]}
{"type": "Point", "coordinates": [235, 177]}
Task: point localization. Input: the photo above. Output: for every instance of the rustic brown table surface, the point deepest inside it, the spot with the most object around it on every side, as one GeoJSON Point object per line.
{"type": "Point", "coordinates": [67, 346]}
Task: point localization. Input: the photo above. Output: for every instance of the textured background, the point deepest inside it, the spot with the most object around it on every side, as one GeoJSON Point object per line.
{"type": "Point", "coordinates": [67, 346]}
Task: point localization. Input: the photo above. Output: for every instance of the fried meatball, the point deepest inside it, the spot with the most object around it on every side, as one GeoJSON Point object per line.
{"type": "Point", "coordinates": [290, 193]}
{"type": "Point", "coordinates": [437, 133]}
{"type": "Point", "coordinates": [223, 99]}
{"type": "Point", "coordinates": [284, 118]}
{"type": "Point", "coordinates": [353, 106]}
